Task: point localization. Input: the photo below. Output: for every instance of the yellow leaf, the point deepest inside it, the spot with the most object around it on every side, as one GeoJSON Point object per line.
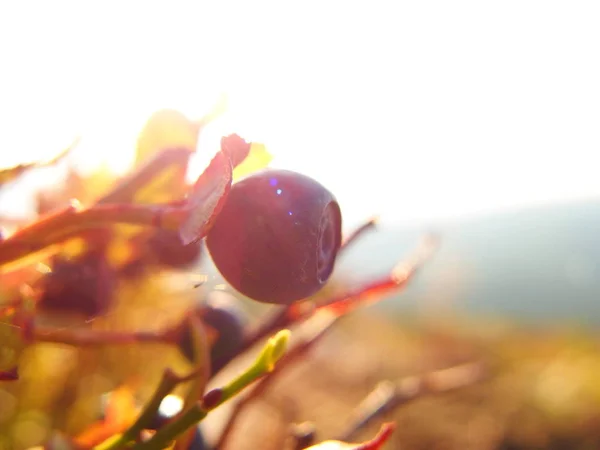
{"type": "Point", "coordinates": [120, 413]}
{"type": "Point", "coordinates": [258, 158]}
{"type": "Point", "coordinates": [165, 128]}
{"type": "Point", "coordinates": [167, 185]}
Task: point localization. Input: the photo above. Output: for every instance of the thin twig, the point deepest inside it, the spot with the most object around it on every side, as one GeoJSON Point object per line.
{"type": "Point", "coordinates": [371, 292]}
{"type": "Point", "coordinates": [197, 388]}
{"type": "Point", "coordinates": [323, 323]}
{"type": "Point", "coordinates": [60, 226]}
{"type": "Point", "coordinates": [358, 233]}
{"type": "Point", "coordinates": [264, 364]}
{"type": "Point", "coordinates": [94, 338]}
{"type": "Point", "coordinates": [12, 173]}
{"type": "Point", "coordinates": [168, 382]}
{"type": "Point", "coordinates": [388, 395]}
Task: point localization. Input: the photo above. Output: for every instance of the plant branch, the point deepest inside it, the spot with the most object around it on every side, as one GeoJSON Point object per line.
{"type": "Point", "coordinates": [358, 233]}
{"type": "Point", "coordinates": [266, 362]}
{"type": "Point", "coordinates": [371, 292]}
{"type": "Point", "coordinates": [93, 338]}
{"type": "Point", "coordinates": [168, 382]}
{"type": "Point", "coordinates": [197, 388]}
{"type": "Point", "coordinates": [388, 395]}
{"type": "Point", "coordinates": [58, 227]}
{"type": "Point", "coordinates": [12, 173]}
{"type": "Point", "coordinates": [315, 330]}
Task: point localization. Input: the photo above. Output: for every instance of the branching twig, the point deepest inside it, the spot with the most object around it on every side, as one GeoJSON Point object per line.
{"type": "Point", "coordinates": [264, 364]}
{"type": "Point", "coordinates": [12, 173]}
{"type": "Point", "coordinates": [330, 313]}
{"type": "Point", "coordinates": [93, 338]}
{"type": "Point", "coordinates": [389, 395]}
{"type": "Point", "coordinates": [69, 222]}
{"type": "Point", "coordinates": [168, 382]}
{"type": "Point", "coordinates": [316, 330]}
{"type": "Point", "coordinates": [373, 291]}
{"type": "Point", "coordinates": [358, 232]}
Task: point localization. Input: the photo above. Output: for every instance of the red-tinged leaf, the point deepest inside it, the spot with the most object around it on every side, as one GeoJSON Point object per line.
{"type": "Point", "coordinates": [12, 173]}
{"type": "Point", "coordinates": [246, 157]}
{"type": "Point", "coordinates": [207, 198]}
{"type": "Point", "coordinates": [236, 148]}
{"type": "Point", "coordinates": [374, 444]}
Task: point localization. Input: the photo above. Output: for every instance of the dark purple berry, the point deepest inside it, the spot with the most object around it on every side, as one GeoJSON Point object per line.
{"type": "Point", "coordinates": [167, 249]}
{"type": "Point", "coordinates": [277, 236]}
{"type": "Point", "coordinates": [225, 321]}
{"type": "Point", "coordinates": [198, 442]}
{"type": "Point", "coordinates": [81, 285]}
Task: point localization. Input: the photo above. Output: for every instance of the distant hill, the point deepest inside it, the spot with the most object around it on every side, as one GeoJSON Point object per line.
{"type": "Point", "coordinates": [537, 263]}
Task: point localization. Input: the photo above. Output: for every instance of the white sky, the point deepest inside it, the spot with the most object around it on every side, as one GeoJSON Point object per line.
{"type": "Point", "coordinates": [411, 109]}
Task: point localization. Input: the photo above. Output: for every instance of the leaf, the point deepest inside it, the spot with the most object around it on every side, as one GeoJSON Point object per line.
{"type": "Point", "coordinates": [376, 443]}
{"type": "Point", "coordinates": [158, 180]}
{"type": "Point", "coordinates": [120, 412]}
{"type": "Point", "coordinates": [60, 441]}
{"type": "Point", "coordinates": [258, 158]}
{"type": "Point", "coordinates": [207, 199]}
{"type": "Point", "coordinates": [12, 173]}
{"type": "Point", "coordinates": [235, 148]}
{"type": "Point", "coordinates": [245, 157]}
{"type": "Point", "coordinates": [166, 128]}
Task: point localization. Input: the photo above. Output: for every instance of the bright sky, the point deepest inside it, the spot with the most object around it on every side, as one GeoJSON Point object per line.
{"type": "Point", "coordinates": [409, 109]}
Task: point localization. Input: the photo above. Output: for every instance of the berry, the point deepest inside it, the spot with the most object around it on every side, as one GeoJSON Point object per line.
{"type": "Point", "coordinates": [82, 285]}
{"type": "Point", "coordinates": [277, 236]}
{"type": "Point", "coordinates": [198, 442]}
{"type": "Point", "coordinates": [225, 321]}
{"type": "Point", "coordinates": [168, 250]}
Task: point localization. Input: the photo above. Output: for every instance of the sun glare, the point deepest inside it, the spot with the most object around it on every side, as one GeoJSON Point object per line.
{"type": "Point", "coordinates": [411, 112]}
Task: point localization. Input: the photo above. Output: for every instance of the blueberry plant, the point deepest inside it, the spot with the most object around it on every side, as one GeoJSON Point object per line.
{"type": "Point", "coordinates": [274, 236]}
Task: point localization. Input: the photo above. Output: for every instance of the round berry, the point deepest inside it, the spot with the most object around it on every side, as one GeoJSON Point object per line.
{"type": "Point", "coordinates": [277, 236]}
{"type": "Point", "coordinates": [225, 321]}
{"type": "Point", "coordinates": [167, 249]}
{"type": "Point", "coordinates": [83, 285]}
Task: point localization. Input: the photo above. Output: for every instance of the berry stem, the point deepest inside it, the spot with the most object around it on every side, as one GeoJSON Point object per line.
{"type": "Point", "coordinates": [70, 222]}
{"type": "Point", "coordinates": [265, 363]}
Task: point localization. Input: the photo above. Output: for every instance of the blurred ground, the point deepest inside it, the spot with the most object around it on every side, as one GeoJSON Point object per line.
{"type": "Point", "coordinates": [541, 391]}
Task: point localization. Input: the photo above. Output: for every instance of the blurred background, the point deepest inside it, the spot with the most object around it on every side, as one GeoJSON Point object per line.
{"type": "Point", "coordinates": [475, 120]}
{"type": "Point", "coordinates": [478, 120]}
